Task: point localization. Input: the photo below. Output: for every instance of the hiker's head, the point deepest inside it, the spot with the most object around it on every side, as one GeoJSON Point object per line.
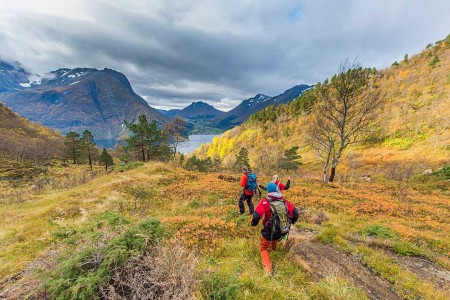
{"type": "Point", "coordinates": [245, 169]}
{"type": "Point", "coordinates": [272, 187]}
{"type": "Point", "coordinates": [275, 178]}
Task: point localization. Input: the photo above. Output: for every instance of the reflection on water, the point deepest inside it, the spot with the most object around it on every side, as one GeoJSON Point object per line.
{"type": "Point", "coordinates": [195, 141]}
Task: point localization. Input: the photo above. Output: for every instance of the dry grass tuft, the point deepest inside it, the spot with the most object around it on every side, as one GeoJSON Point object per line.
{"type": "Point", "coordinates": [165, 272]}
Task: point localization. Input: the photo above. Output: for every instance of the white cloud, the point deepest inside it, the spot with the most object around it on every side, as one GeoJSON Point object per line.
{"type": "Point", "coordinates": [178, 51]}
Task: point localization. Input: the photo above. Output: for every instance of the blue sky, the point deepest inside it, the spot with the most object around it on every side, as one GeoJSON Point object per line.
{"type": "Point", "coordinates": [175, 52]}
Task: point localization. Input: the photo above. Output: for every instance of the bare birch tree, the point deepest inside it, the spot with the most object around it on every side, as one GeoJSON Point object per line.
{"type": "Point", "coordinates": [344, 113]}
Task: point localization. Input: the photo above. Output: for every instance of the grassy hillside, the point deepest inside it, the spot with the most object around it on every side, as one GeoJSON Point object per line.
{"type": "Point", "coordinates": [412, 124]}
{"type": "Point", "coordinates": [95, 238]}
{"type": "Point", "coordinates": [23, 139]}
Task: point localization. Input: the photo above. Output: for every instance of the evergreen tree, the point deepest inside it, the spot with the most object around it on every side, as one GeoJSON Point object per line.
{"type": "Point", "coordinates": [147, 139]}
{"type": "Point", "coordinates": [434, 61]}
{"type": "Point", "coordinates": [106, 159]}
{"type": "Point", "coordinates": [72, 147]}
{"type": "Point", "coordinates": [192, 163]}
{"type": "Point", "coordinates": [88, 146]}
{"type": "Point", "coordinates": [289, 161]}
{"type": "Point", "coordinates": [206, 165]}
{"type": "Point", "coordinates": [242, 159]}
{"type": "Point", "coordinates": [182, 158]}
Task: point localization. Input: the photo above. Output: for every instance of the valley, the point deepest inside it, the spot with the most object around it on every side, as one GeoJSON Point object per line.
{"type": "Point", "coordinates": [104, 196]}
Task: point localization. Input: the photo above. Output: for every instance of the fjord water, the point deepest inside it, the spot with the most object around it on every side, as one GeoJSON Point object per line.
{"type": "Point", "coordinates": [195, 141]}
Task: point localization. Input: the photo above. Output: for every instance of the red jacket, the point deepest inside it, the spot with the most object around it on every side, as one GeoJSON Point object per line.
{"type": "Point", "coordinates": [244, 180]}
{"type": "Point", "coordinates": [280, 185]}
{"type": "Point", "coordinates": [262, 211]}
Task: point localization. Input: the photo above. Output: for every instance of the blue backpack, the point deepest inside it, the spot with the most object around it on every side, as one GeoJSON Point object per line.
{"type": "Point", "coordinates": [251, 183]}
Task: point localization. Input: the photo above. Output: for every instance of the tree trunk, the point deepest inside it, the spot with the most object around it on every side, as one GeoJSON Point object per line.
{"type": "Point", "coordinates": [90, 160]}
{"type": "Point", "coordinates": [106, 166]}
{"type": "Point", "coordinates": [143, 153]}
{"type": "Point", "coordinates": [335, 163]}
{"type": "Point", "coordinates": [74, 156]}
{"type": "Point", "coordinates": [327, 162]}
{"type": "Point", "coordinates": [333, 172]}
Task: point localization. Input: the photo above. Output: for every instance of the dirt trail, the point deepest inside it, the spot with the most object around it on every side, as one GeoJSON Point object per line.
{"type": "Point", "coordinates": [324, 260]}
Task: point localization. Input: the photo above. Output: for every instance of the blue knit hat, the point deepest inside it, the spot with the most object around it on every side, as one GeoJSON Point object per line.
{"type": "Point", "coordinates": [272, 187]}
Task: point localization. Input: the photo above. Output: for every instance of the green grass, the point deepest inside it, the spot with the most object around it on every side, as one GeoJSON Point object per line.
{"type": "Point", "coordinates": [378, 231]}
{"type": "Point", "coordinates": [334, 288]}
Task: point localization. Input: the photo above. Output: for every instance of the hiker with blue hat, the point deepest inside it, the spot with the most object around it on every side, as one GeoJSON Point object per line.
{"type": "Point", "coordinates": [277, 215]}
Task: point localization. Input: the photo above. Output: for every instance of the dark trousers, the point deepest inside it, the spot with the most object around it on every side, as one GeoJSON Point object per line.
{"type": "Point", "coordinates": [247, 198]}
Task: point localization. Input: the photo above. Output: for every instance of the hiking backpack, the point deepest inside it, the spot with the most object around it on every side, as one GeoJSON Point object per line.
{"type": "Point", "coordinates": [280, 219]}
{"type": "Point", "coordinates": [251, 183]}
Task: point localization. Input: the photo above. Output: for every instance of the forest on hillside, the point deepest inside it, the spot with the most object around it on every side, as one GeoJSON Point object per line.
{"type": "Point", "coordinates": [410, 124]}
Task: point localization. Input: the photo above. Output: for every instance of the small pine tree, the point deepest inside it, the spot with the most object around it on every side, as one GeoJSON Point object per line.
{"type": "Point", "coordinates": [405, 58]}
{"type": "Point", "coordinates": [206, 164]}
{"type": "Point", "coordinates": [106, 159]}
{"type": "Point", "coordinates": [242, 159]}
{"type": "Point", "coordinates": [191, 163]}
{"type": "Point", "coordinates": [434, 61]}
{"type": "Point", "coordinates": [72, 147]}
{"type": "Point", "coordinates": [395, 63]}
{"type": "Point", "coordinates": [289, 161]}
{"type": "Point", "coordinates": [182, 159]}
{"type": "Point", "coordinates": [89, 149]}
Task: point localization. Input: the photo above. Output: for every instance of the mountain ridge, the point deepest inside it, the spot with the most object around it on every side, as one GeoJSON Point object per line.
{"type": "Point", "coordinates": [82, 98]}
{"type": "Point", "coordinates": [195, 110]}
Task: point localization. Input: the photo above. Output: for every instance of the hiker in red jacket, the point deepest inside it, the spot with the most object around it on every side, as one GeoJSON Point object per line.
{"type": "Point", "coordinates": [249, 184]}
{"type": "Point", "coordinates": [281, 186]}
{"type": "Point", "coordinates": [271, 234]}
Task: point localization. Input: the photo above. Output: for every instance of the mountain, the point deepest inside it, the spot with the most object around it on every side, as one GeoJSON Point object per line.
{"type": "Point", "coordinates": [196, 110]}
{"type": "Point", "coordinates": [12, 76]}
{"type": "Point", "coordinates": [243, 111]}
{"type": "Point", "coordinates": [79, 99]}
{"type": "Point", "coordinates": [203, 118]}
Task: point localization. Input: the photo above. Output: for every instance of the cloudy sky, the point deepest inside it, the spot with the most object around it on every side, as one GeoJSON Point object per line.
{"type": "Point", "coordinates": [221, 52]}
